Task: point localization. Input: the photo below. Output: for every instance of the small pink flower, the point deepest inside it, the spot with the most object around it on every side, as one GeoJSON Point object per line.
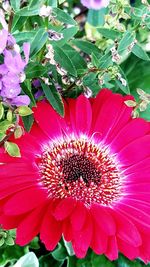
{"type": "Point", "coordinates": [95, 4]}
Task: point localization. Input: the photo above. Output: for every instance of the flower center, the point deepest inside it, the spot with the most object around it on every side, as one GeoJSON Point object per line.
{"type": "Point", "coordinates": [80, 169]}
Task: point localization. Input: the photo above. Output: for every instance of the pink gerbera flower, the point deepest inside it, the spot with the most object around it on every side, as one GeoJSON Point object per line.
{"type": "Point", "coordinates": [85, 176]}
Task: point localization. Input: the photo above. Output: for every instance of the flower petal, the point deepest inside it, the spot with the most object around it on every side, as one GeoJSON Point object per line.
{"type": "Point", "coordinates": [28, 199]}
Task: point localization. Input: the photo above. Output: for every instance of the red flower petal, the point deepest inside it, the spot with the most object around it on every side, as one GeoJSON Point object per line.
{"type": "Point", "coordinates": [78, 216]}
{"type": "Point", "coordinates": [51, 231]}
{"type": "Point", "coordinates": [141, 126]}
{"type": "Point", "coordinates": [30, 226]}
{"type": "Point", "coordinates": [27, 199]}
{"type": "Point", "coordinates": [112, 248]}
{"type": "Point", "coordinates": [64, 208]}
{"type": "Point", "coordinates": [82, 239]}
{"type": "Point", "coordinates": [103, 219]}
{"type": "Point", "coordinates": [47, 119]}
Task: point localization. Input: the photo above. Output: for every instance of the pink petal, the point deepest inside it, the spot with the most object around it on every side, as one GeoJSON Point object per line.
{"type": "Point", "coordinates": [80, 114]}
{"type": "Point", "coordinates": [17, 170]}
{"type": "Point", "coordinates": [112, 249]}
{"type": "Point", "coordinates": [123, 118]}
{"type": "Point", "coordinates": [99, 240]}
{"type": "Point", "coordinates": [82, 239]}
{"type": "Point", "coordinates": [145, 248]}
{"type": "Point", "coordinates": [78, 216]}
{"type": "Point", "coordinates": [137, 216]}
{"type": "Point", "coordinates": [67, 230]}
{"type": "Point", "coordinates": [25, 200]}
{"type": "Point", "coordinates": [131, 153]}
{"type": "Point", "coordinates": [108, 115]}
{"type": "Point", "coordinates": [51, 231]}
{"type": "Point", "coordinates": [103, 219]}
{"type": "Point", "coordinates": [83, 115]}
{"type": "Point", "coordinates": [129, 251]}
{"type": "Point", "coordinates": [98, 102]}
{"type": "Point", "coordinates": [126, 230]}
{"type": "Point", "coordinates": [8, 190]}
{"type": "Point", "coordinates": [128, 133]}
{"type": "Point", "coordinates": [47, 119]}
{"type": "Point", "coordinates": [10, 222]}
{"type": "Point", "coordinates": [30, 226]}
{"type": "Point", "coordinates": [64, 208]}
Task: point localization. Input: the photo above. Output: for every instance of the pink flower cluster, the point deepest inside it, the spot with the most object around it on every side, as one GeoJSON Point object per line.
{"type": "Point", "coordinates": [12, 70]}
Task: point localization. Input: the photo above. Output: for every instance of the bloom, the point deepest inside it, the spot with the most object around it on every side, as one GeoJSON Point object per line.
{"type": "Point", "coordinates": [95, 4]}
{"type": "Point", "coordinates": [84, 176]}
{"type": "Point", "coordinates": [12, 70]}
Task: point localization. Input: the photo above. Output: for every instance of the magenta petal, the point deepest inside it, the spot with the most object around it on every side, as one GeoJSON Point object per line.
{"type": "Point", "coordinates": [30, 226]}
{"type": "Point", "coordinates": [25, 203]}
{"type": "Point", "coordinates": [64, 208]}
{"type": "Point", "coordinates": [51, 231]}
{"type": "Point", "coordinates": [112, 248]}
{"type": "Point", "coordinates": [26, 49]}
{"type": "Point", "coordinates": [82, 239]}
{"type": "Point", "coordinates": [131, 153]}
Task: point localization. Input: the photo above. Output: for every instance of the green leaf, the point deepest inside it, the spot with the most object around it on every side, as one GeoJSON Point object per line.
{"type": "Point", "coordinates": [126, 88]}
{"type": "Point", "coordinates": [12, 149]}
{"type": "Point", "coordinates": [38, 41]}
{"type": "Point", "coordinates": [53, 97]}
{"type": "Point", "coordinates": [18, 132]}
{"type": "Point", "coordinates": [34, 244]}
{"type": "Point", "coordinates": [105, 61]}
{"type": "Point", "coordinates": [109, 33]}
{"type": "Point", "coordinates": [28, 122]}
{"type": "Point", "coordinates": [126, 40]}
{"type": "Point", "coordinates": [28, 260]}
{"type": "Point", "coordinates": [63, 59]}
{"type": "Point", "coordinates": [130, 103]}
{"type": "Point", "coordinates": [59, 253]}
{"type": "Point", "coordinates": [96, 17]}
{"type": "Point", "coordinates": [35, 70]}
{"type": "Point", "coordinates": [101, 261]}
{"type": "Point", "coordinates": [2, 136]}
{"type": "Point", "coordinates": [25, 36]}
{"type": "Point", "coordinates": [69, 248]}
{"type": "Point", "coordinates": [63, 16]}
{"type": "Point", "coordinates": [76, 59]}
{"type": "Point", "coordinates": [24, 111]}
{"type": "Point", "coordinates": [9, 241]}
{"type": "Point", "coordinates": [67, 35]}
{"type": "Point", "coordinates": [86, 46]}
{"type": "Point", "coordinates": [48, 260]}
{"type": "Point", "coordinates": [29, 11]}
{"type": "Point", "coordinates": [2, 241]}
{"type": "Point", "coordinates": [26, 86]}
{"type": "Point", "coordinates": [139, 52]}
{"type": "Point", "coordinates": [15, 4]}
{"type": "Point", "coordinates": [5, 125]}
{"type": "Point", "coordinates": [52, 3]}
{"type": "Point", "coordinates": [17, 23]}
{"type": "Point", "coordinates": [1, 110]}
{"type": "Point", "coordinates": [9, 115]}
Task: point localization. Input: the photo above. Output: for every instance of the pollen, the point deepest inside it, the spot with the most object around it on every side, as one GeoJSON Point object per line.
{"type": "Point", "coordinates": [81, 169]}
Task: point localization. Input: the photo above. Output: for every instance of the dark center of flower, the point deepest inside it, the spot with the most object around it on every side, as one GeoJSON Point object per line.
{"type": "Point", "coordinates": [80, 169]}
